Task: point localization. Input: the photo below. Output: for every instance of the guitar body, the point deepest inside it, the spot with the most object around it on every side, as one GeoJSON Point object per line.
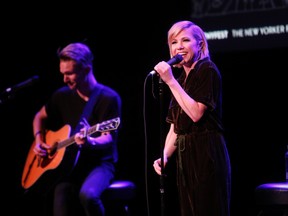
{"type": "Point", "coordinates": [42, 173]}
{"type": "Point", "coordinates": [35, 168]}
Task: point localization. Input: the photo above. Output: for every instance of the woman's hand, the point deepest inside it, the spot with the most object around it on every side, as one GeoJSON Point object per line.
{"type": "Point", "coordinates": [157, 165]}
{"type": "Point", "coordinates": [165, 71]}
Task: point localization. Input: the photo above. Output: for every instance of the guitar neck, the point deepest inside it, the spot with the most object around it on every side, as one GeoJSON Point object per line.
{"type": "Point", "coordinates": [101, 127]}
{"type": "Point", "coordinates": [67, 142]}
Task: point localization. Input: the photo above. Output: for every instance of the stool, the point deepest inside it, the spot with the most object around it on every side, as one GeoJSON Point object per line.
{"type": "Point", "coordinates": [118, 197]}
{"type": "Point", "coordinates": [272, 198]}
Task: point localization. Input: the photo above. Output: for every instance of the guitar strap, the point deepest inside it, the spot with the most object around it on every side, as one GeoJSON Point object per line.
{"type": "Point", "coordinates": [86, 113]}
{"type": "Point", "coordinates": [89, 105]}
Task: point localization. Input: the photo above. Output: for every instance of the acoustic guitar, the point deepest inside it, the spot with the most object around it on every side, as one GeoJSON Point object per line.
{"type": "Point", "coordinates": [60, 158]}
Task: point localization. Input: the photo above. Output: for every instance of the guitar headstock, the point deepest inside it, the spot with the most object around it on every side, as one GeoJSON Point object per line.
{"type": "Point", "coordinates": [108, 125]}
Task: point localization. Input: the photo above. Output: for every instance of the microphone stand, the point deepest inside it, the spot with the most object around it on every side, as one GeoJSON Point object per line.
{"type": "Point", "coordinates": [10, 92]}
{"type": "Point", "coordinates": [162, 143]}
{"type": "Point", "coordinates": [174, 60]}
{"type": "Point", "coordinates": [6, 96]}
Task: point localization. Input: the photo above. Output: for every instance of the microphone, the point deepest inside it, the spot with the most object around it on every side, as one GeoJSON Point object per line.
{"type": "Point", "coordinates": [23, 84]}
{"type": "Point", "coordinates": [174, 60]}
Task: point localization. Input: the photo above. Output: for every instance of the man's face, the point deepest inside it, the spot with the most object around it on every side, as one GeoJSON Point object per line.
{"type": "Point", "coordinates": [70, 73]}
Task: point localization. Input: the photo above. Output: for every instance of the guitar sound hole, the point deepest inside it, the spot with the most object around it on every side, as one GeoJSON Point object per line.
{"type": "Point", "coordinates": [53, 150]}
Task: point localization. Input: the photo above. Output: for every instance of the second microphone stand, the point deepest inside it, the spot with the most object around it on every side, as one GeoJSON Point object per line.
{"type": "Point", "coordinates": [162, 144]}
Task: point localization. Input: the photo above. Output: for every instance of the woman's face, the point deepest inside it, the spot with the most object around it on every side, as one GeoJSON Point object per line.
{"type": "Point", "coordinates": [186, 45]}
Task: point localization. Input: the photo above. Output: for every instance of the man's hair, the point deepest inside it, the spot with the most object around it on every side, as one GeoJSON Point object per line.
{"type": "Point", "coordinates": [78, 52]}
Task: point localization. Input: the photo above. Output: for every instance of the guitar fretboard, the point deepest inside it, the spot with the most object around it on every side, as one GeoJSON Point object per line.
{"type": "Point", "coordinates": [101, 127]}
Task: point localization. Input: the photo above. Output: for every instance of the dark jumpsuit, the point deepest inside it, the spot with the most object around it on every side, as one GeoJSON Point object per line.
{"type": "Point", "coordinates": [203, 164]}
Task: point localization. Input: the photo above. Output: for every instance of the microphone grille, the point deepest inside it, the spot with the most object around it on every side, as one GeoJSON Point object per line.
{"type": "Point", "coordinates": [178, 58]}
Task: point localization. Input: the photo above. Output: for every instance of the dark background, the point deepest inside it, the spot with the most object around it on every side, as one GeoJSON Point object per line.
{"type": "Point", "coordinates": [128, 39]}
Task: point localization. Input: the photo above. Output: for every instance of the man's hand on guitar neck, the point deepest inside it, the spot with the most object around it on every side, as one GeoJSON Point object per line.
{"type": "Point", "coordinates": [82, 136]}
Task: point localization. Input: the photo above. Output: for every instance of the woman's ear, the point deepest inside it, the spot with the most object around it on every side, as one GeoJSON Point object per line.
{"type": "Point", "coordinates": [200, 44]}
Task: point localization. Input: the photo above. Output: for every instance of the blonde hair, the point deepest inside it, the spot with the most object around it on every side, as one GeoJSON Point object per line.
{"type": "Point", "coordinates": [197, 33]}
